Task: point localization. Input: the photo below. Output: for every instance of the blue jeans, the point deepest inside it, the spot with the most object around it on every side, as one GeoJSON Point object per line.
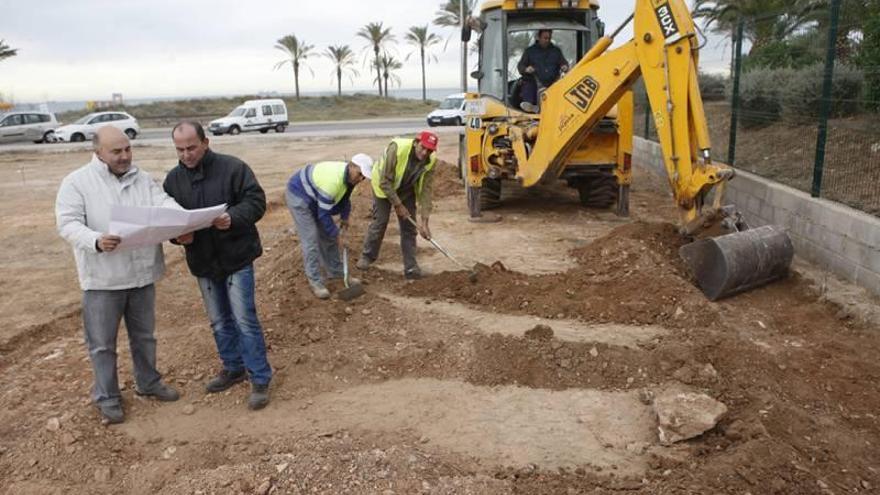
{"type": "Point", "coordinates": [237, 332]}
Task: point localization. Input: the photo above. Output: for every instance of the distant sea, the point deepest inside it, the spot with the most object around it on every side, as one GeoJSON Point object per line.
{"type": "Point", "coordinates": [64, 106]}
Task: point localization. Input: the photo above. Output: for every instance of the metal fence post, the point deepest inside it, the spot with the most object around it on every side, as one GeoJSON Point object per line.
{"type": "Point", "coordinates": [825, 106]}
{"type": "Point", "coordinates": [734, 103]}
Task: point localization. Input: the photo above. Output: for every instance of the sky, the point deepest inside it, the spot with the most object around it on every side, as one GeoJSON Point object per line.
{"type": "Point", "coordinates": [89, 49]}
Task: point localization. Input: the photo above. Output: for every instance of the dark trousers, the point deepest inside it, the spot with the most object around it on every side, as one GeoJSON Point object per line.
{"type": "Point", "coordinates": [382, 210]}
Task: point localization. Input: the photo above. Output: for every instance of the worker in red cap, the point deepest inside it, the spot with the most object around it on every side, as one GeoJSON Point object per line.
{"type": "Point", "coordinates": [402, 180]}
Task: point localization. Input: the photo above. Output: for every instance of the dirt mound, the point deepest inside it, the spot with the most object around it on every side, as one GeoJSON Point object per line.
{"type": "Point", "coordinates": [540, 332]}
{"type": "Point", "coordinates": [446, 180]}
{"type": "Point", "coordinates": [632, 275]}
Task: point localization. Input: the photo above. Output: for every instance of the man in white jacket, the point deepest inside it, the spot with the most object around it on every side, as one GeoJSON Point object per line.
{"type": "Point", "coordinates": [116, 284]}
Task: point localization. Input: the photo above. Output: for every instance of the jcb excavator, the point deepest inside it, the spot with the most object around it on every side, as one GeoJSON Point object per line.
{"type": "Point", "coordinates": [583, 131]}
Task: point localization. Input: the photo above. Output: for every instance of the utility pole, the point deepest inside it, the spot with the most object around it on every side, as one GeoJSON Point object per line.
{"type": "Point", "coordinates": [464, 44]}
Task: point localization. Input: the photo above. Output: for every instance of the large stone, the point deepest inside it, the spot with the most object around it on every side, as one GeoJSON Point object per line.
{"type": "Point", "coordinates": [683, 414]}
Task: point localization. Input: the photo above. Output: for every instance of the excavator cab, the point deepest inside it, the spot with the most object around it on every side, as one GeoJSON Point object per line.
{"type": "Point", "coordinates": [582, 132]}
{"type": "Point", "coordinates": [507, 28]}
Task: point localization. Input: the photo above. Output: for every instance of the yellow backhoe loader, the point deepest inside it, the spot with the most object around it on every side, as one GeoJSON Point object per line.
{"type": "Point", "coordinates": [582, 133]}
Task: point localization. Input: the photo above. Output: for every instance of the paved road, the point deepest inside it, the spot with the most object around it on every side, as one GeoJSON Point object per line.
{"type": "Point", "coordinates": [372, 127]}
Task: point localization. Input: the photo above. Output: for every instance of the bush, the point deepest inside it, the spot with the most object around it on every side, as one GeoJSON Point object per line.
{"type": "Point", "coordinates": [712, 86]}
{"type": "Point", "coordinates": [804, 91]}
{"type": "Point", "coordinates": [801, 50]}
{"type": "Point", "coordinates": [869, 58]}
{"type": "Point", "coordinates": [761, 94]}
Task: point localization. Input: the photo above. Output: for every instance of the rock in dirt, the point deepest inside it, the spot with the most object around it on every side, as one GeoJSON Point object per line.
{"type": "Point", "coordinates": [683, 414]}
{"type": "Point", "coordinates": [540, 332]}
{"type": "Point", "coordinates": [264, 488]}
{"type": "Point", "coordinates": [189, 409]}
{"type": "Point", "coordinates": [103, 474]}
{"type": "Point", "coordinates": [53, 424]}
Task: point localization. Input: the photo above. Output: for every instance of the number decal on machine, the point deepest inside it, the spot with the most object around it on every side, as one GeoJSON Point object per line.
{"type": "Point", "coordinates": [581, 95]}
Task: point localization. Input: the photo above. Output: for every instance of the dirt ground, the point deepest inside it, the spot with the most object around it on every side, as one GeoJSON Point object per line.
{"type": "Point", "coordinates": [441, 386]}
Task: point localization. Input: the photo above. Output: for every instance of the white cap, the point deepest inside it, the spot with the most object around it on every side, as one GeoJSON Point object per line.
{"type": "Point", "coordinates": [364, 162]}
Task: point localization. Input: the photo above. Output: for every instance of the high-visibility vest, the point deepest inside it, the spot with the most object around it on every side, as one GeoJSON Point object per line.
{"type": "Point", "coordinates": [404, 147]}
{"type": "Point", "coordinates": [325, 183]}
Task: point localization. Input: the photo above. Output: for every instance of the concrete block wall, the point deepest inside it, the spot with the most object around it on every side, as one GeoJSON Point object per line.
{"type": "Point", "coordinates": [832, 236]}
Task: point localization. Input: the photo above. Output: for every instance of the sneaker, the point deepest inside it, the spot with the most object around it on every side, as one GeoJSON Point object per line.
{"type": "Point", "coordinates": [363, 263]}
{"type": "Point", "coordinates": [412, 274]}
{"type": "Point", "coordinates": [259, 396]}
{"type": "Point", "coordinates": [161, 392]}
{"type": "Point", "coordinates": [224, 380]}
{"type": "Point", "coordinates": [319, 290]}
{"type": "Point", "coordinates": [529, 107]}
{"type": "Point", "coordinates": [111, 414]}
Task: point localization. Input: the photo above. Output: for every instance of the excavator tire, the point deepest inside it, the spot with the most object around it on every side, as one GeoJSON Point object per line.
{"type": "Point", "coordinates": [598, 191]}
{"type": "Point", "coordinates": [490, 194]}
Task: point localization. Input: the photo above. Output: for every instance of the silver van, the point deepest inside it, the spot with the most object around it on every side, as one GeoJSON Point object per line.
{"type": "Point", "coordinates": [38, 127]}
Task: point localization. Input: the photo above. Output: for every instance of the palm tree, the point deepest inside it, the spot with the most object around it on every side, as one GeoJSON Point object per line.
{"type": "Point", "coordinates": [449, 13]}
{"type": "Point", "coordinates": [343, 59]}
{"type": "Point", "coordinates": [378, 37]}
{"type": "Point", "coordinates": [390, 64]}
{"type": "Point", "coordinates": [5, 51]}
{"type": "Point", "coordinates": [297, 51]}
{"type": "Point", "coordinates": [419, 37]}
{"type": "Point", "coordinates": [765, 20]}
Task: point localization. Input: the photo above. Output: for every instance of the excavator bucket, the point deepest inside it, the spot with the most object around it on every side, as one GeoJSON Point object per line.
{"type": "Point", "coordinates": [737, 262]}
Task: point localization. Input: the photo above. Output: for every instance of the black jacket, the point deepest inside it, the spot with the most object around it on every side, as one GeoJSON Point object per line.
{"type": "Point", "coordinates": [216, 180]}
{"type": "Point", "coordinates": [546, 61]}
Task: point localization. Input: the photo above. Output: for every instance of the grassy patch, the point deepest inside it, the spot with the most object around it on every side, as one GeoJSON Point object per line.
{"type": "Point", "coordinates": [347, 107]}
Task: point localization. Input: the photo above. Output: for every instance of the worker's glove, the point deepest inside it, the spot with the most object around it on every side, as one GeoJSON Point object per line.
{"type": "Point", "coordinates": [401, 211]}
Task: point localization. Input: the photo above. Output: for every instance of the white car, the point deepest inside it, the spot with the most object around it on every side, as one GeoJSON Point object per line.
{"type": "Point", "coordinates": [27, 126]}
{"type": "Point", "coordinates": [86, 127]}
{"type": "Point", "coordinates": [450, 112]}
{"type": "Point", "coordinates": [253, 115]}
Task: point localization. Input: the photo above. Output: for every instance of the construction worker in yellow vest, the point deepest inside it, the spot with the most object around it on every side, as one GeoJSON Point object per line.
{"type": "Point", "coordinates": [402, 180]}
{"type": "Point", "coordinates": [315, 194]}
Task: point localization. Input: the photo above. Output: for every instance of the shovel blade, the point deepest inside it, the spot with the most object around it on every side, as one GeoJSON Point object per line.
{"type": "Point", "coordinates": [737, 262]}
{"type": "Point", "coordinates": [351, 292]}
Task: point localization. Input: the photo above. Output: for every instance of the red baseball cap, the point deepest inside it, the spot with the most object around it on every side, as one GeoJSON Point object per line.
{"type": "Point", "coordinates": [428, 139]}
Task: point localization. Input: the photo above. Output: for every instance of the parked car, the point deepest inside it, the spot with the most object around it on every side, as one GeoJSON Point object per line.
{"type": "Point", "coordinates": [253, 115]}
{"type": "Point", "coordinates": [38, 127]}
{"type": "Point", "coordinates": [450, 111]}
{"type": "Point", "coordinates": [87, 126]}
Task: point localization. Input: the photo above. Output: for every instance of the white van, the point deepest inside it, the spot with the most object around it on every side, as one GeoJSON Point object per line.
{"type": "Point", "coordinates": [252, 115]}
{"type": "Point", "coordinates": [450, 112]}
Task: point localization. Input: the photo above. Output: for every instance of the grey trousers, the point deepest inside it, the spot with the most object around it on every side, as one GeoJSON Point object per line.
{"type": "Point", "coordinates": [317, 247]}
{"type": "Point", "coordinates": [382, 210]}
{"type": "Point", "coordinates": [102, 311]}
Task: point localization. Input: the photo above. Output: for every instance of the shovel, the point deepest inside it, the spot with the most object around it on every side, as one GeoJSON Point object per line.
{"type": "Point", "coordinates": [349, 292]}
{"type": "Point", "coordinates": [472, 274]}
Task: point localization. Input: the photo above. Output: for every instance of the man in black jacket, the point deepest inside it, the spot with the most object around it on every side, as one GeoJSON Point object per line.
{"type": "Point", "coordinates": [221, 257]}
{"type": "Point", "coordinates": [542, 62]}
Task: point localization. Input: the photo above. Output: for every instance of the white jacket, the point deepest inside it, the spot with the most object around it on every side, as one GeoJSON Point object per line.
{"type": "Point", "coordinates": [82, 214]}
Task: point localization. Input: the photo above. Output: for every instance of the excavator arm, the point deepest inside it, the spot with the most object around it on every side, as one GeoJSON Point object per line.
{"type": "Point", "coordinates": [665, 53]}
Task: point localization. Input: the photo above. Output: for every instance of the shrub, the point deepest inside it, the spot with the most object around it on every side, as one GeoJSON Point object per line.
{"type": "Point", "coordinates": [712, 86]}
{"type": "Point", "coordinates": [804, 91]}
{"type": "Point", "coordinates": [869, 58]}
{"type": "Point", "coordinates": [761, 95]}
